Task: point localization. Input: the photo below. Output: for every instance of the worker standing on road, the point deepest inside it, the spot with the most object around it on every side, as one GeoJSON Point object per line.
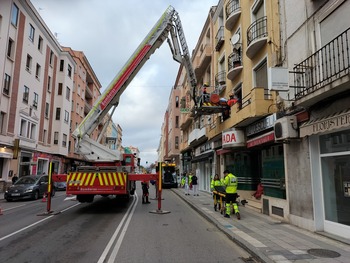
{"type": "Point", "coordinates": [231, 184]}
{"type": "Point", "coordinates": [215, 182]}
{"type": "Point", "coordinates": [145, 192]}
{"type": "Point", "coordinates": [187, 185]}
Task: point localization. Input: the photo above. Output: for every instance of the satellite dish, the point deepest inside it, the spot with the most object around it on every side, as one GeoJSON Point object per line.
{"type": "Point", "coordinates": [235, 39]}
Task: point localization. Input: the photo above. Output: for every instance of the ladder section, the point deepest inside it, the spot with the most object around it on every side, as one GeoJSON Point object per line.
{"type": "Point", "coordinates": [186, 54]}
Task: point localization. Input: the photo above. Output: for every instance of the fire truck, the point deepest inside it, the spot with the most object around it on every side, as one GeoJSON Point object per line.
{"type": "Point", "coordinates": [111, 173]}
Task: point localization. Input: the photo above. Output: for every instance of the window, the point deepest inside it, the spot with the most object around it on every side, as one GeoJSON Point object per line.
{"type": "Point", "coordinates": [45, 137]}
{"type": "Point", "coordinates": [59, 90]}
{"type": "Point", "coordinates": [40, 44]}
{"type": "Point", "coordinates": [55, 138]}
{"type": "Point", "coordinates": [58, 114]}
{"type": "Point", "coordinates": [64, 140]}
{"type": "Point", "coordinates": [67, 93]}
{"type": "Point", "coordinates": [49, 84]}
{"type": "Point", "coordinates": [2, 122]}
{"type": "Point", "coordinates": [47, 108]}
{"type": "Point", "coordinates": [176, 121]}
{"type": "Point", "coordinates": [31, 32]}
{"type": "Point", "coordinates": [28, 129]}
{"type": "Point", "coordinates": [37, 71]}
{"type": "Point", "coordinates": [260, 73]}
{"type": "Point", "coordinates": [69, 70]}
{"type": "Point", "coordinates": [14, 15]}
{"type": "Point", "coordinates": [176, 142]}
{"type": "Point", "coordinates": [36, 99]}
{"type": "Point", "coordinates": [177, 101]}
{"type": "Point", "coordinates": [29, 63]}
{"type": "Point", "coordinates": [61, 65]}
{"type": "Point", "coordinates": [25, 94]}
{"type": "Point", "coordinates": [66, 116]}
{"type": "Point", "coordinates": [51, 57]}
{"type": "Point", "coordinates": [7, 84]}
{"type": "Point", "coordinates": [10, 49]}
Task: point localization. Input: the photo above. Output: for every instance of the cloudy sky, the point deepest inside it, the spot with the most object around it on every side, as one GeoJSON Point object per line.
{"type": "Point", "coordinates": [108, 32]}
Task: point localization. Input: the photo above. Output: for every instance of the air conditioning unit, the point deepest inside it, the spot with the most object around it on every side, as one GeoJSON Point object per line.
{"type": "Point", "coordinates": [286, 128]}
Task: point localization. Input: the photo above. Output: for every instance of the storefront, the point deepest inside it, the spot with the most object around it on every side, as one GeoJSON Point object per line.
{"type": "Point", "coordinates": [202, 165]}
{"type": "Point", "coordinates": [329, 139]}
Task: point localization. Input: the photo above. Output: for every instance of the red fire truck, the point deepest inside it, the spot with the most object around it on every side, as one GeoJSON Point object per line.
{"type": "Point", "coordinates": [111, 172]}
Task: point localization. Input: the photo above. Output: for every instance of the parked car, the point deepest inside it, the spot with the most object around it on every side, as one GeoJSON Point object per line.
{"type": "Point", "coordinates": [60, 186]}
{"type": "Point", "coordinates": [29, 187]}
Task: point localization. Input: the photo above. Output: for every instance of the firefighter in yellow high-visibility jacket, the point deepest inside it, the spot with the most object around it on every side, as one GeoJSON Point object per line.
{"type": "Point", "coordinates": [231, 184]}
{"type": "Point", "coordinates": [216, 182]}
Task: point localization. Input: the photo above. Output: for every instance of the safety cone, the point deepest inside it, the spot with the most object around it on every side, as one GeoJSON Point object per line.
{"type": "Point", "coordinates": [1, 211]}
{"type": "Point", "coordinates": [44, 198]}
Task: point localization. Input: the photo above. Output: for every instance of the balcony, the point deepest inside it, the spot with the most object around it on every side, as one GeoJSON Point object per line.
{"type": "Point", "coordinates": [203, 60]}
{"type": "Point", "coordinates": [254, 106]}
{"type": "Point", "coordinates": [87, 108]}
{"type": "Point", "coordinates": [197, 136]}
{"type": "Point", "coordinates": [235, 63]}
{"type": "Point", "coordinates": [220, 78]}
{"type": "Point", "coordinates": [219, 38]}
{"type": "Point", "coordinates": [233, 12]}
{"type": "Point", "coordinates": [323, 74]}
{"type": "Point", "coordinates": [256, 36]}
{"type": "Point", "coordinates": [88, 93]}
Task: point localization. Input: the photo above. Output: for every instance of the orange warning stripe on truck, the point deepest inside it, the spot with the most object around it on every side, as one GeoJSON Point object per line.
{"type": "Point", "coordinates": [97, 179]}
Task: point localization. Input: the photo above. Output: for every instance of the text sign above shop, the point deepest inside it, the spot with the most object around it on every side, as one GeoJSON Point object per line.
{"type": "Point", "coordinates": [269, 137]}
{"type": "Point", "coordinates": [233, 138]}
{"type": "Point", "coordinates": [336, 121]}
{"type": "Point", "coordinates": [261, 125]}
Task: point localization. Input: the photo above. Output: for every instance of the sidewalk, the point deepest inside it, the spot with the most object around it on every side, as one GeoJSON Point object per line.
{"type": "Point", "coordinates": [267, 238]}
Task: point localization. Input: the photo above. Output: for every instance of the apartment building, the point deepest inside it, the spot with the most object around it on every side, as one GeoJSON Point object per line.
{"type": "Point", "coordinates": [316, 37]}
{"type": "Point", "coordinates": [288, 65]}
{"type": "Point", "coordinates": [171, 125]}
{"type": "Point", "coordinates": [34, 120]}
{"type": "Point", "coordinates": [85, 92]}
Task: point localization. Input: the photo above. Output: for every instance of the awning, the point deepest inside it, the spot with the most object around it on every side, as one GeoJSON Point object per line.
{"type": "Point", "coordinates": [325, 124]}
{"type": "Point", "coordinates": [267, 137]}
{"type": "Point", "coordinates": [202, 157]}
{"type": "Point", "coordinates": [222, 151]}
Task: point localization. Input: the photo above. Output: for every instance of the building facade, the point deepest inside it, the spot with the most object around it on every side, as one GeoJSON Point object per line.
{"type": "Point", "coordinates": [317, 167]}
{"type": "Point", "coordinates": [34, 120]}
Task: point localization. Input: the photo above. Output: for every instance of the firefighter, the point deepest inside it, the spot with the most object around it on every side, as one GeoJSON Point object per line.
{"type": "Point", "coordinates": [215, 182]}
{"type": "Point", "coordinates": [145, 193]}
{"type": "Point", "coordinates": [231, 184]}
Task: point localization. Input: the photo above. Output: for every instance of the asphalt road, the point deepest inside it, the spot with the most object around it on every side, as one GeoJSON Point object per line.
{"type": "Point", "coordinates": [108, 230]}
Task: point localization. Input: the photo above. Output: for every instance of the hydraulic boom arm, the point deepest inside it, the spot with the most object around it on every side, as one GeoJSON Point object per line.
{"type": "Point", "coordinates": [168, 23]}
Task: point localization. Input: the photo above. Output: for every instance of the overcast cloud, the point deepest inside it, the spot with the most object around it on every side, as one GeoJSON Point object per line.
{"type": "Point", "coordinates": [108, 32]}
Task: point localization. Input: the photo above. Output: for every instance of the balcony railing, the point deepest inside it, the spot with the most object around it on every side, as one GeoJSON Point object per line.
{"type": "Point", "coordinates": [219, 38]}
{"type": "Point", "coordinates": [257, 30]}
{"type": "Point", "coordinates": [329, 63]}
{"type": "Point", "coordinates": [233, 11]}
{"type": "Point", "coordinates": [220, 78]}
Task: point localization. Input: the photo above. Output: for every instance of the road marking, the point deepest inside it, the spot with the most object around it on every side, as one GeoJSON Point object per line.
{"type": "Point", "coordinates": [8, 209]}
{"type": "Point", "coordinates": [128, 215]}
{"type": "Point", "coordinates": [27, 227]}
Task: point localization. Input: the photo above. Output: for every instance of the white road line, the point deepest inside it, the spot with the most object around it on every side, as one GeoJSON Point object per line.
{"type": "Point", "coordinates": [8, 209]}
{"type": "Point", "coordinates": [27, 227]}
{"type": "Point", "coordinates": [127, 216]}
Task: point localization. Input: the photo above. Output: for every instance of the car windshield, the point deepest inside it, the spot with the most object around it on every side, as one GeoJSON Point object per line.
{"type": "Point", "coordinates": [25, 180]}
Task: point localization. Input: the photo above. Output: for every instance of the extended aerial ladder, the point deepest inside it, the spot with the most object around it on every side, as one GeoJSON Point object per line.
{"type": "Point", "coordinates": [169, 23]}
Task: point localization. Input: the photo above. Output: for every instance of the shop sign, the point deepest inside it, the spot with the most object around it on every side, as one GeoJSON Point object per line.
{"type": "Point", "coordinates": [341, 120]}
{"type": "Point", "coordinates": [261, 125]}
{"type": "Point", "coordinates": [204, 148]}
{"type": "Point", "coordinates": [233, 138]}
{"type": "Point", "coordinates": [261, 139]}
